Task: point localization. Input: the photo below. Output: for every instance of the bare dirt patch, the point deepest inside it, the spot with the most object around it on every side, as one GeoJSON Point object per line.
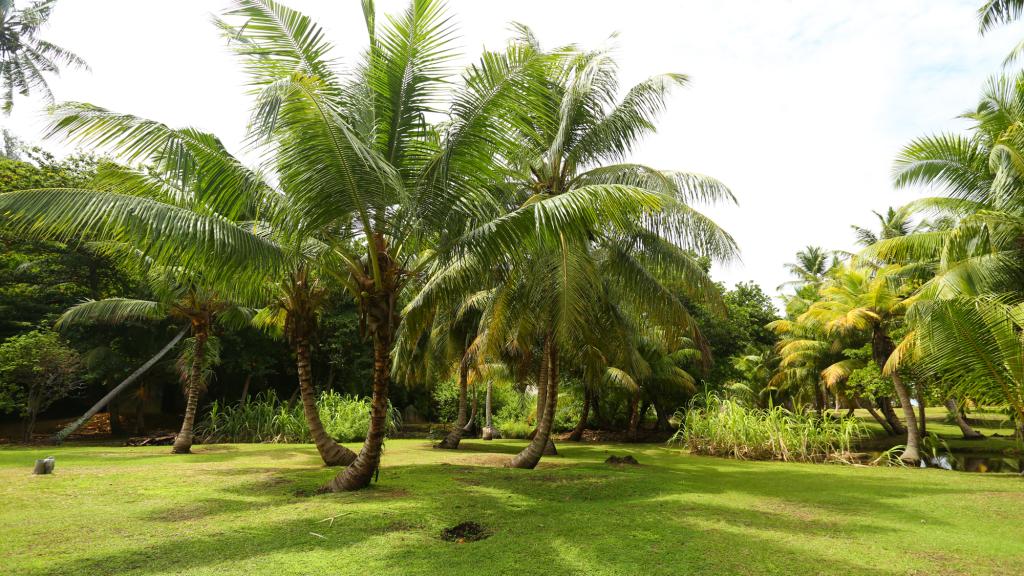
{"type": "Point", "coordinates": [465, 532]}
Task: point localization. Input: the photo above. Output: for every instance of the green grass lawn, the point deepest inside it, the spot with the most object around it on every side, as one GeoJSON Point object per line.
{"type": "Point", "coordinates": [246, 509]}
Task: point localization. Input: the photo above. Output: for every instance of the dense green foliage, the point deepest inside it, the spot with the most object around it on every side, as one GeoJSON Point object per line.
{"type": "Point", "coordinates": [718, 427]}
{"type": "Point", "coordinates": [36, 369]}
{"type": "Point", "coordinates": [265, 418]}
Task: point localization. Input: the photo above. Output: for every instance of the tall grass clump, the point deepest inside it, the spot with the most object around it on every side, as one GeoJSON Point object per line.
{"type": "Point", "coordinates": [265, 418]}
{"type": "Point", "coordinates": [719, 427]}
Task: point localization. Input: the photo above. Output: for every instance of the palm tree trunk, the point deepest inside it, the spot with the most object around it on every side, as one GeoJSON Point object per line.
{"type": "Point", "coordinates": [358, 474]}
{"type": "Point", "coordinates": [968, 432]}
{"type": "Point", "coordinates": [332, 453]}
{"type": "Point", "coordinates": [922, 414]}
{"type": "Point", "coordinates": [542, 393]}
{"type": "Point", "coordinates": [911, 453]}
{"type": "Point", "coordinates": [451, 441]}
{"type": "Point", "coordinates": [885, 405]}
{"type": "Point", "coordinates": [530, 456]}
{"type": "Point", "coordinates": [874, 414]}
{"type": "Point", "coordinates": [577, 432]}
{"type": "Point", "coordinates": [183, 442]}
{"type": "Point", "coordinates": [71, 428]}
{"type": "Point", "coordinates": [245, 389]}
{"type": "Point", "coordinates": [488, 421]}
{"type": "Point", "coordinates": [634, 417]}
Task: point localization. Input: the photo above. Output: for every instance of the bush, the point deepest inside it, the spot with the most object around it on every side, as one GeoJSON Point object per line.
{"type": "Point", "coordinates": [36, 369]}
{"type": "Point", "coordinates": [718, 427]}
{"type": "Point", "coordinates": [266, 419]}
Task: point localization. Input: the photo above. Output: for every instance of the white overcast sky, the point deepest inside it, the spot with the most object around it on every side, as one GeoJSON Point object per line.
{"type": "Point", "coordinates": [799, 106]}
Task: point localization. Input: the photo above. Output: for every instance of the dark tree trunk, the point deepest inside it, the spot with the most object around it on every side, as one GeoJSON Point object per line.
{"type": "Point", "coordinates": [114, 412]}
{"type": "Point", "coordinates": [245, 389]}
{"type": "Point", "coordinates": [452, 440]}
{"type": "Point", "coordinates": [530, 456]}
{"type": "Point", "coordinates": [360, 472]}
{"type": "Point", "coordinates": [885, 405]}
{"type": "Point", "coordinates": [332, 453]}
{"type": "Point", "coordinates": [140, 412]}
{"type": "Point", "coordinates": [663, 418]}
{"type": "Point", "coordinates": [634, 417]}
{"type": "Point", "coordinates": [183, 441]}
{"type": "Point", "coordinates": [968, 432]}
{"type": "Point", "coordinates": [874, 414]}
{"type": "Point", "coordinates": [577, 432]}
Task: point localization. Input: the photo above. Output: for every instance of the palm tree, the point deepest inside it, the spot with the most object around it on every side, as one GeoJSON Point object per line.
{"type": "Point", "coordinates": [995, 12]}
{"type": "Point", "coordinates": [894, 223]}
{"type": "Point", "coordinates": [25, 58]}
{"type": "Point", "coordinates": [178, 297]}
{"type": "Point", "coordinates": [868, 302]}
{"type": "Point", "coordinates": [811, 267]}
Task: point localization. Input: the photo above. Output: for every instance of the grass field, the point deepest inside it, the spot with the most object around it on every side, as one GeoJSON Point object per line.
{"type": "Point", "coordinates": [247, 509]}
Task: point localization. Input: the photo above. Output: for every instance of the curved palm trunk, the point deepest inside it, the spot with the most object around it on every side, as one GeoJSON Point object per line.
{"type": "Point", "coordinates": [332, 453]}
{"type": "Point", "coordinates": [530, 456]}
{"type": "Point", "coordinates": [911, 453]}
{"type": "Point", "coordinates": [71, 428]}
{"type": "Point", "coordinates": [577, 432]}
{"type": "Point", "coordinates": [885, 405]}
{"type": "Point", "coordinates": [542, 393]}
{"type": "Point", "coordinates": [183, 441]}
{"type": "Point", "coordinates": [452, 440]}
{"type": "Point", "coordinates": [360, 472]}
{"type": "Point", "coordinates": [874, 414]}
{"type": "Point", "coordinates": [968, 432]}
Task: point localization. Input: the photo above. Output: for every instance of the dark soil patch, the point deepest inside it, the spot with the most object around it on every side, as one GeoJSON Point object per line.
{"type": "Point", "coordinates": [465, 532]}
{"type": "Point", "coordinates": [622, 460]}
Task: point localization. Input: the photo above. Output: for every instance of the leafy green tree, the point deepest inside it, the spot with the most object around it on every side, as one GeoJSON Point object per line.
{"type": "Point", "coordinates": [25, 58]}
{"type": "Point", "coordinates": [36, 369]}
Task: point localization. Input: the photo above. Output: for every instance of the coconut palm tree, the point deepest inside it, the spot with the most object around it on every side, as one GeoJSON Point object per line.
{"type": "Point", "coordinates": [25, 58]}
{"type": "Point", "coordinates": [811, 267]}
{"type": "Point", "coordinates": [995, 12]}
{"type": "Point", "coordinates": [178, 297]}
{"type": "Point", "coordinates": [868, 302]}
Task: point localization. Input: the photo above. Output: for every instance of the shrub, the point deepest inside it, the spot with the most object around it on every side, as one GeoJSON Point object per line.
{"type": "Point", "coordinates": [266, 419]}
{"type": "Point", "coordinates": [36, 369]}
{"type": "Point", "coordinates": [718, 427]}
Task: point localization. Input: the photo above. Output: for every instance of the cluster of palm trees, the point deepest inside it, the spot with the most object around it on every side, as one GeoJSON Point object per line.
{"type": "Point", "coordinates": [483, 223]}
{"type": "Point", "coordinates": [934, 299]}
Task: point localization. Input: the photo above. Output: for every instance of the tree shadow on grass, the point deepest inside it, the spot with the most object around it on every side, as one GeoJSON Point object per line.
{"type": "Point", "coordinates": [666, 516]}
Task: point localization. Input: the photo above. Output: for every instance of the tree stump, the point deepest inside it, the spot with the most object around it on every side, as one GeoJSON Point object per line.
{"type": "Point", "coordinates": [44, 465]}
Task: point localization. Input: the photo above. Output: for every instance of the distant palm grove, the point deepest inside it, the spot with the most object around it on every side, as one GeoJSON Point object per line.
{"type": "Point", "coordinates": [477, 249]}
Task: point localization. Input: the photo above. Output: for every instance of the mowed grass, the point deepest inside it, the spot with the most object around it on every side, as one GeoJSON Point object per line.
{"type": "Point", "coordinates": [248, 510]}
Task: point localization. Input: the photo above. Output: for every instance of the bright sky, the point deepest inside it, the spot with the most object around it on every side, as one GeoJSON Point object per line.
{"type": "Point", "coordinates": [798, 105]}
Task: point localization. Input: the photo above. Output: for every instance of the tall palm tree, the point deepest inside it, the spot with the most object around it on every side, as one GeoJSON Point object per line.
{"type": "Point", "coordinates": [25, 58]}
{"type": "Point", "coordinates": [894, 223]}
{"type": "Point", "coordinates": [995, 12]}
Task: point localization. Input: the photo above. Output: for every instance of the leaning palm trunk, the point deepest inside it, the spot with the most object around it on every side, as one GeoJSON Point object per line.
{"type": "Point", "coordinates": [71, 428]}
{"type": "Point", "coordinates": [332, 453]}
{"type": "Point", "coordinates": [874, 414]}
{"type": "Point", "coordinates": [183, 442]}
{"type": "Point", "coordinates": [451, 441]}
{"type": "Point", "coordinates": [488, 433]}
{"type": "Point", "coordinates": [885, 405]}
{"type": "Point", "coordinates": [530, 456]}
{"type": "Point", "coordinates": [360, 472]}
{"type": "Point", "coordinates": [911, 453]}
{"type": "Point", "coordinates": [577, 432]}
{"type": "Point", "coordinates": [968, 432]}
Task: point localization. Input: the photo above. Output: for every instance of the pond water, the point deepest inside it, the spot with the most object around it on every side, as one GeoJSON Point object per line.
{"type": "Point", "coordinates": [975, 462]}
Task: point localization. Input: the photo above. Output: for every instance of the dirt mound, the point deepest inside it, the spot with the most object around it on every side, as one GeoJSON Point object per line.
{"type": "Point", "coordinates": [465, 532]}
{"type": "Point", "coordinates": [620, 460]}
